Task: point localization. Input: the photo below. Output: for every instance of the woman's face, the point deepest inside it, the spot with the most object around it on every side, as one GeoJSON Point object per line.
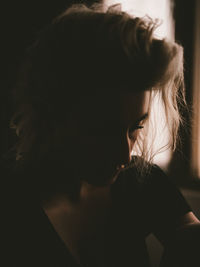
{"type": "Point", "coordinates": [104, 132]}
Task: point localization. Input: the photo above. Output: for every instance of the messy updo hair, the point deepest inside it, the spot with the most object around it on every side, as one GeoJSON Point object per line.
{"type": "Point", "coordinates": [85, 50]}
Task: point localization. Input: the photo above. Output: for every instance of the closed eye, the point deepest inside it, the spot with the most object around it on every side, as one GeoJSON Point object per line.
{"type": "Point", "coordinates": [136, 128]}
{"type": "Point", "coordinates": [133, 129]}
{"type": "Point", "coordinates": [137, 125]}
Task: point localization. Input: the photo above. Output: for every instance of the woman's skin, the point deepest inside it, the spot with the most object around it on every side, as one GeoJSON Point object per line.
{"type": "Point", "coordinates": [75, 222]}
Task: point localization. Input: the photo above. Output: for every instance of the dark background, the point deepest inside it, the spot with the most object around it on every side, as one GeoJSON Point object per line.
{"type": "Point", "coordinates": [184, 15]}
{"type": "Point", "coordinates": [21, 21]}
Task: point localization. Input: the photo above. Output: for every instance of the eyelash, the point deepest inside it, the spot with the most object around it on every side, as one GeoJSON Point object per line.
{"type": "Point", "coordinates": [138, 127]}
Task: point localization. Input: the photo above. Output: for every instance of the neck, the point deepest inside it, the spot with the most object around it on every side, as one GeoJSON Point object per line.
{"type": "Point", "coordinates": [75, 222]}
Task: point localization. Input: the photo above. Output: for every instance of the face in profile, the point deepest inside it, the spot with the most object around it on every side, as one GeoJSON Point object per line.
{"type": "Point", "coordinates": [104, 133]}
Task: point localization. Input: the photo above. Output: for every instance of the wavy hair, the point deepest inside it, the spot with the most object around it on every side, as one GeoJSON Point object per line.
{"type": "Point", "coordinates": [106, 48]}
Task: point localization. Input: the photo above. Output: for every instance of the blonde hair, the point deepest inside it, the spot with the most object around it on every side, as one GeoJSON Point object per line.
{"type": "Point", "coordinates": [133, 55]}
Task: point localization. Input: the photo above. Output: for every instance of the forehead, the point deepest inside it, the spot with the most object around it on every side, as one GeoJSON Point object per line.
{"type": "Point", "coordinates": [123, 106]}
{"type": "Point", "coordinates": [134, 105]}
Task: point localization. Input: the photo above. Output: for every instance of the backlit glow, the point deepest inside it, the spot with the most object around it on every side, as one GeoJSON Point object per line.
{"type": "Point", "coordinates": [196, 98]}
{"type": "Point", "coordinates": [161, 10]}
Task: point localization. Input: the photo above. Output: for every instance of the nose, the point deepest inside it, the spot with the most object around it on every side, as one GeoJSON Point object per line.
{"type": "Point", "coordinates": [125, 150]}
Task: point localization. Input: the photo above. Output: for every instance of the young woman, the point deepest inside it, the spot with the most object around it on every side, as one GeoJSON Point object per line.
{"type": "Point", "coordinates": [83, 103]}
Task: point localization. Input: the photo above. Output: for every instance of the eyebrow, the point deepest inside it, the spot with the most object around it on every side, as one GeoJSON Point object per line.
{"type": "Point", "coordinates": [143, 117]}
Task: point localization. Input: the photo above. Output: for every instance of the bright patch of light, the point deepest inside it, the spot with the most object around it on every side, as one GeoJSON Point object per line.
{"type": "Point", "coordinates": [158, 9]}
{"type": "Point", "coordinates": [161, 10]}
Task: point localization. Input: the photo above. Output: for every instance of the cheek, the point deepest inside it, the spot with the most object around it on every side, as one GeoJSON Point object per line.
{"type": "Point", "coordinates": [133, 139]}
{"type": "Point", "coordinates": [101, 147]}
{"type": "Point", "coordinates": [93, 144]}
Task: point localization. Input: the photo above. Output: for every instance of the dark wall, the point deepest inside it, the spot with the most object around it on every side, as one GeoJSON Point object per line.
{"type": "Point", "coordinates": [184, 15]}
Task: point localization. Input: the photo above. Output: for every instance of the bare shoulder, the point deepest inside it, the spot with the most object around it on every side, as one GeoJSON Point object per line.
{"type": "Point", "coordinates": [189, 219]}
